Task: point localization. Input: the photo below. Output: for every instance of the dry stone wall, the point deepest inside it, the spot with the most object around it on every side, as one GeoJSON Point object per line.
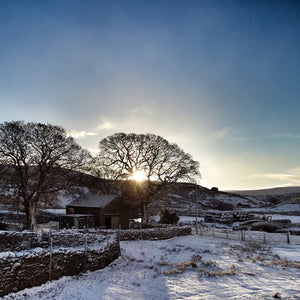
{"type": "Point", "coordinates": [70, 239]}
{"type": "Point", "coordinates": [26, 259]}
{"type": "Point", "coordinates": [19, 270]}
{"type": "Point", "coordinates": [159, 233]}
{"type": "Point", "coordinates": [155, 234]}
{"type": "Point", "coordinates": [17, 241]}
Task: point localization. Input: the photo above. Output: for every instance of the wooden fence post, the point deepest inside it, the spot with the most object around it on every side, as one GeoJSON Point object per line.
{"type": "Point", "coordinates": [119, 234]}
{"type": "Point", "coordinates": [85, 253]}
{"type": "Point", "coordinates": [85, 245]}
{"type": "Point", "coordinates": [50, 262]}
{"type": "Point", "coordinates": [288, 235]}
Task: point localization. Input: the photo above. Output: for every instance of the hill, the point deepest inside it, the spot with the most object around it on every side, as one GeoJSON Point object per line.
{"type": "Point", "coordinates": [181, 197]}
{"type": "Point", "coordinates": [269, 192]}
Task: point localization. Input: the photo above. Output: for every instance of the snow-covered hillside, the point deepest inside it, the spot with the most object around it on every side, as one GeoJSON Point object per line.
{"type": "Point", "coordinates": [271, 191]}
{"type": "Point", "coordinates": [182, 197]}
{"type": "Point", "coordinates": [284, 199]}
{"type": "Point", "coordinates": [190, 267]}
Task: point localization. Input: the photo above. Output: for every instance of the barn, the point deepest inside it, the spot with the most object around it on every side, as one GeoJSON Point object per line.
{"type": "Point", "coordinates": [109, 211]}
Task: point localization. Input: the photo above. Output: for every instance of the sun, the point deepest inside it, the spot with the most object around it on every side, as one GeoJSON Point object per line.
{"type": "Point", "coordinates": [139, 176]}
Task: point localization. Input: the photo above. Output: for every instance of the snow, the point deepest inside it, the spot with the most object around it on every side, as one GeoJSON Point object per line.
{"type": "Point", "coordinates": [270, 191]}
{"type": "Point", "coordinates": [187, 220]}
{"type": "Point", "coordinates": [6, 254]}
{"type": "Point", "coordinates": [191, 267]}
{"type": "Point", "coordinates": [288, 207]}
{"type": "Point", "coordinates": [13, 212]}
{"type": "Point", "coordinates": [294, 219]}
{"type": "Point", "coordinates": [183, 220]}
{"type": "Point", "coordinates": [64, 198]}
{"type": "Point", "coordinates": [57, 211]}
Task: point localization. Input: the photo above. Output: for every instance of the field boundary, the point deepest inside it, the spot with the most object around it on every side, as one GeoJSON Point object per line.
{"type": "Point", "coordinates": [33, 267]}
{"type": "Point", "coordinates": [259, 237]}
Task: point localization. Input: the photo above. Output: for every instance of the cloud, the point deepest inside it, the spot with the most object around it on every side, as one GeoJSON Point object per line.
{"type": "Point", "coordinates": [106, 125]}
{"type": "Point", "coordinates": [81, 134]}
{"type": "Point", "coordinates": [279, 186]}
{"type": "Point", "coordinates": [276, 176]}
{"type": "Point", "coordinates": [290, 178]}
{"type": "Point", "coordinates": [229, 133]}
{"type": "Point", "coordinates": [129, 118]}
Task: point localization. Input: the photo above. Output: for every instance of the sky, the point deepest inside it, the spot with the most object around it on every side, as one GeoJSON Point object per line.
{"type": "Point", "coordinates": [219, 78]}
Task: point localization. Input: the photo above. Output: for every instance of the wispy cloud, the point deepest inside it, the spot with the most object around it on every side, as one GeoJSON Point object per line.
{"type": "Point", "coordinates": [292, 177]}
{"type": "Point", "coordinates": [81, 133]}
{"type": "Point", "coordinates": [276, 176]}
{"type": "Point", "coordinates": [229, 133]}
{"type": "Point", "coordinates": [279, 186]}
{"type": "Point", "coordinates": [133, 118]}
{"type": "Point", "coordinates": [107, 125]}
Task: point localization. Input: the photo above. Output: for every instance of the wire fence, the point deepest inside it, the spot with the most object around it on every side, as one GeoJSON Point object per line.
{"type": "Point", "coordinates": [242, 235]}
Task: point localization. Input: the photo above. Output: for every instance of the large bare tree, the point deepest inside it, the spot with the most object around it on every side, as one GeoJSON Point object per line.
{"type": "Point", "coordinates": [38, 160]}
{"type": "Point", "coordinates": [156, 161]}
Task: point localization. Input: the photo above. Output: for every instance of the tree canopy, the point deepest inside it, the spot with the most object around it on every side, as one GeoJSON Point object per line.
{"type": "Point", "coordinates": [38, 159]}
{"type": "Point", "coordinates": [150, 156]}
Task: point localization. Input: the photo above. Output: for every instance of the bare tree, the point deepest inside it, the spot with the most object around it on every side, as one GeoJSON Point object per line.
{"type": "Point", "coordinates": [107, 178]}
{"type": "Point", "coordinates": [159, 161]}
{"type": "Point", "coordinates": [39, 160]}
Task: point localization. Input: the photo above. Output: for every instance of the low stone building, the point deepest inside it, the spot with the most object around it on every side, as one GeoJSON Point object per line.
{"type": "Point", "coordinates": [109, 211]}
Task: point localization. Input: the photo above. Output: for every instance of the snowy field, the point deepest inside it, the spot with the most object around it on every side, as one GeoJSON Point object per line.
{"type": "Point", "coordinates": [190, 267]}
{"type": "Point", "coordinates": [191, 220]}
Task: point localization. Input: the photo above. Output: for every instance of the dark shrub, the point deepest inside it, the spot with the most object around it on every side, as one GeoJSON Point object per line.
{"type": "Point", "coordinates": [168, 218]}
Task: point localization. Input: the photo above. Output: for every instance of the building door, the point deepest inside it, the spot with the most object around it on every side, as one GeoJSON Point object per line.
{"type": "Point", "coordinates": [108, 222]}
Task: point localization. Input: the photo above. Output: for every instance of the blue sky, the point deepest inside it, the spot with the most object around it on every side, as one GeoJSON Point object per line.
{"type": "Point", "coordinates": [219, 78]}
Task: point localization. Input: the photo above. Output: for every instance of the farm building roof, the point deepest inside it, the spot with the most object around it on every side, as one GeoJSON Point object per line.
{"type": "Point", "coordinates": [95, 200]}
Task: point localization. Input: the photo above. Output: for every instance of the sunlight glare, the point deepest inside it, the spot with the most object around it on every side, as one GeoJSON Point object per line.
{"type": "Point", "coordinates": [139, 175]}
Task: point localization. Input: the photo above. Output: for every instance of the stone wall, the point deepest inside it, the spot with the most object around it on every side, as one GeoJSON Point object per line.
{"type": "Point", "coordinates": [73, 252]}
{"type": "Point", "coordinates": [19, 270]}
{"type": "Point", "coordinates": [70, 238]}
{"type": "Point", "coordinates": [162, 233]}
{"type": "Point", "coordinates": [11, 226]}
{"type": "Point", "coordinates": [17, 241]}
{"type": "Point", "coordinates": [155, 234]}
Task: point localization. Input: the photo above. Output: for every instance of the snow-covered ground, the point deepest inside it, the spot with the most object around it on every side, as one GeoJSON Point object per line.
{"type": "Point", "coordinates": [190, 267]}
{"type": "Point", "coordinates": [287, 207]}
{"type": "Point", "coordinates": [270, 191]}
{"type": "Point", "coordinates": [57, 211]}
{"type": "Point", "coordinates": [191, 220]}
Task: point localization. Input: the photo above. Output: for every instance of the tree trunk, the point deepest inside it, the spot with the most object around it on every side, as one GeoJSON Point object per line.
{"type": "Point", "coordinates": [32, 217]}
{"type": "Point", "coordinates": [30, 210]}
{"type": "Point", "coordinates": [27, 213]}
{"type": "Point", "coordinates": [145, 217]}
